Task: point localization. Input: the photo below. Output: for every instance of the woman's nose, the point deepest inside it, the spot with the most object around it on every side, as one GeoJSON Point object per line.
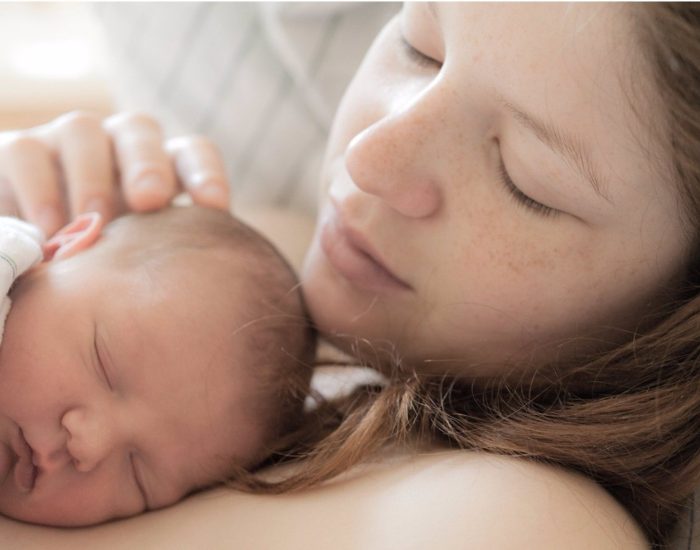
{"type": "Point", "coordinates": [398, 160]}
{"type": "Point", "coordinates": [90, 438]}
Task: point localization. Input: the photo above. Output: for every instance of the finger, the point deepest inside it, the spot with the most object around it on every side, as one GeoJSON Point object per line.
{"type": "Point", "coordinates": [200, 168]}
{"type": "Point", "coordinates": [28, 166]}
{"type": "Point", "coordinates": [8, 204]}
{"type": "Point", "coordinates": [88, 167]}
{"type": "Point", "coordinates": [147, 176]}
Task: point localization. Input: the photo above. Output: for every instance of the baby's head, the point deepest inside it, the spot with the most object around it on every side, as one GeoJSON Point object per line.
{"type": "Point", "coordinates": [145, 361]}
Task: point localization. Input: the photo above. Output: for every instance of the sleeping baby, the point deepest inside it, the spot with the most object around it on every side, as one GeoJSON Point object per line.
{"type": "Point", "coordinates": [141, 361]}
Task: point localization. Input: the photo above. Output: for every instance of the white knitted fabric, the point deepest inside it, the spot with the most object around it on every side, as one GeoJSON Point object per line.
{"type": "Point", "coordinates": [20, 249]}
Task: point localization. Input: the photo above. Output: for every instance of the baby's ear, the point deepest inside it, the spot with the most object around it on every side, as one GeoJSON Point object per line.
{"type": "Point", "coordinates": [75, 237]}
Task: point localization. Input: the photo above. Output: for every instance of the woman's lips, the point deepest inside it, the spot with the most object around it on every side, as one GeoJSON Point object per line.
{"type": "Point", "coordinates": [25, 470]}
{"type": "Point", "coordinates": [352, 256]}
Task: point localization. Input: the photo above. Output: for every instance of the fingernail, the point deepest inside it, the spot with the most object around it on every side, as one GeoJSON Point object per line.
{"type": "Point", "coordinates": [96, 205]}
{"type": "Point", "coordinates": [213, 193]}
{"type": "Point", "coordinates": [209, 189]}
{"type": "Point", "coordinates": [150, 183]}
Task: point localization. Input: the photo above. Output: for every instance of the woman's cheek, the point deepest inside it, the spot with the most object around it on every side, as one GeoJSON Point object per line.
{"type": "Point", "coordinates": [504, 270]}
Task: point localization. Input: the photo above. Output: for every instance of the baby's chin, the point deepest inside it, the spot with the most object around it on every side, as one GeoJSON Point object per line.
{"type": "Point", "coordinates": [58, 517]}
{"type": "Point", "coordinates": [62, 512]}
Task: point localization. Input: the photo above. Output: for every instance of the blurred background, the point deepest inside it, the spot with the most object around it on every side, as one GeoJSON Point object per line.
{"type": "Point", "coordinates": [51, 61]}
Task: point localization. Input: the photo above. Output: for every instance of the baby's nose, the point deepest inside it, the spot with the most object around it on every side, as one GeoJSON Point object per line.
{"type": "Point", "coordinates": [90, 438]}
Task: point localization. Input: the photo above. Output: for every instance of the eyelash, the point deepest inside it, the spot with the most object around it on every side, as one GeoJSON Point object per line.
{"type": "Point", "coordinates": [137, 480]}
{"type": "Point", "coordinates": [422, 60]}
{"type": "Point", "coordinates": [521, 197]}
{"type": "Point", "coordinates": [416, 56]}
{"type": "Point", "coordinates": [102, 365]}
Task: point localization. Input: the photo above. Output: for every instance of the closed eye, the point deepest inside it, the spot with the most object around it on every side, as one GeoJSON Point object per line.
{"type": "Point", "coordinates": [521, 198]}
{"type": "Point", "coordinates": [137, 481]}
{"type": "Point", "coordinates": [100, 362]}
{"type": "Point", "coordinates": [416, 56]}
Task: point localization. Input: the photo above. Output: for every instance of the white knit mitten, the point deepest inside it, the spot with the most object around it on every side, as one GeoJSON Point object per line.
{"type": "Point", "coordinates": [20, 249]}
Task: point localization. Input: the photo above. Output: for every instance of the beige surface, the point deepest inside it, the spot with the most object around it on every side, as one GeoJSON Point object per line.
{"type": "Point", "coordinates": [50, 62]}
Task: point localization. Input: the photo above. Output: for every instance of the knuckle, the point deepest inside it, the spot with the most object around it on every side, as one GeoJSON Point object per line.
{"type": "Point", "coordinates": [196, 143]}
{"type": "Point", "coordinates": [18, 145]}
{"type": "Point", "coordinates": [133, 119]}
{"type": "Point", "coordinates": [201, 141]}
{"type": "Point", "coordinates": [78, 121]}
{"type": "Point", "coordinates": [144, 170]}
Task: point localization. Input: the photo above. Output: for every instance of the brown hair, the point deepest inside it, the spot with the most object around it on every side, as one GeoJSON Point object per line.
{"type": "Point", "coordinates": [629, 418]}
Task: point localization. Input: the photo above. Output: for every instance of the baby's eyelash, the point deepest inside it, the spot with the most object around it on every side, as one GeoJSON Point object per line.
{"type": "Point", "coordinates": [101, 362]}
{"type": "Point", "coordinates": [521, 197]}
{"type": "Point", "coordinates": [416, 56]}
{"type": "Point", "coordinates": [138, 482]}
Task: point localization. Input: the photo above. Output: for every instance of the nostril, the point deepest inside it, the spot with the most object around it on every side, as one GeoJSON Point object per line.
{"type": "Point", "coordinates": [51, 461]}
{"type": "Point", "coordinates": [81, 465]}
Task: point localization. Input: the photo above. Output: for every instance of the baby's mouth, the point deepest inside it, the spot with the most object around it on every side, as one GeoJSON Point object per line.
{"type": "Point", "coordinates": [25, 470]}
{"type": "Point", "coordinates": [6, 461]}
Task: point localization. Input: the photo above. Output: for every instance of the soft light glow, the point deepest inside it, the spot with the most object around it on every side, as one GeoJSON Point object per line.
{"type": "Point", "coordinates": [61, 58]}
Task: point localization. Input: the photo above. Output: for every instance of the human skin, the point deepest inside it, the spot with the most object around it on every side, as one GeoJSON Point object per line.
{"type": "Point", "coordinates": [464, 496]}
{"type": "Point", "coordinates": [167, 412]}
{"type": "Point", "coordinates": [412, 167]}
{"type": "Point", "coordinates": [413, 170]}
{"type": "Point", "coordinates": [527, 57]}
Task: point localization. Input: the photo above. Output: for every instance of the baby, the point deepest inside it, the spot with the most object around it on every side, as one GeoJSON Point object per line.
{"type": "Point", "coordinates": [141, 361]}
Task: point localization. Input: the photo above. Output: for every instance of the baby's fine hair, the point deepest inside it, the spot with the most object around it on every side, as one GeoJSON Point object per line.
{"type": "Point", "coordinates": [277, 342]}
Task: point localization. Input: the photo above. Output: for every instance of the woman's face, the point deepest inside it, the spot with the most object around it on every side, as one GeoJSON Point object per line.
{"type": "Point", "coordinates": [422, 248]}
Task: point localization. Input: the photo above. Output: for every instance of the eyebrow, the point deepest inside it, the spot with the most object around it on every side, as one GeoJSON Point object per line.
{"type": "Point", "coordinates": [570, 147]}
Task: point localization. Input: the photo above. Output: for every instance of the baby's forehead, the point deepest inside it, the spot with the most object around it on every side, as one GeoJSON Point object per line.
{"type": "Point", "coordinates": [183, 228]}
{"type": "Point", "coordinates": [179, 241]}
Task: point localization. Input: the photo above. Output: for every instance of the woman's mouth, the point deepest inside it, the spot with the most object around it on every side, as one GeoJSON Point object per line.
{"type": "Point", "coordinates": [353, 257]}
{"type": "Point", "coordinates": [25, 470]}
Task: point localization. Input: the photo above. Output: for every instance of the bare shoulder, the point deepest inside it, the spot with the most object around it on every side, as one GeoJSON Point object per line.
{"type": "Point", "coordinates": [441, 501]}
{"type": "Point", "coordinates": [476, 500]}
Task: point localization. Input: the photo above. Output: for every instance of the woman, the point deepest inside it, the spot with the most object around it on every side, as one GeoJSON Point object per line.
{"type": "Point", "coordinates": [509, 228]}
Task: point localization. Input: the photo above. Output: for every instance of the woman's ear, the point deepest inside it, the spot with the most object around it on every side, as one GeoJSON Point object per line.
{"type": "Point", "coordinates": [75, 237]}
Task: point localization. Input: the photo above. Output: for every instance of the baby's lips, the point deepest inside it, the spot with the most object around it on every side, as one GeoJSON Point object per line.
{"type": "Point", "coordinates": [25, 471]}
{"type": "Point", "coordinates": [6, 460]}
{"type": "Point", "coordinates": [25, 475]}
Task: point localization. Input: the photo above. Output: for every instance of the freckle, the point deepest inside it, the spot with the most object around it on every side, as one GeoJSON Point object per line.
{"type": "Point", "coordinates": [537, 262]}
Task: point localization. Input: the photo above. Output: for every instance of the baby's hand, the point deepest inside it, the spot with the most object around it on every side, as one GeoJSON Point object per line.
{"type": "Point", "coordinates": [79, 163]}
